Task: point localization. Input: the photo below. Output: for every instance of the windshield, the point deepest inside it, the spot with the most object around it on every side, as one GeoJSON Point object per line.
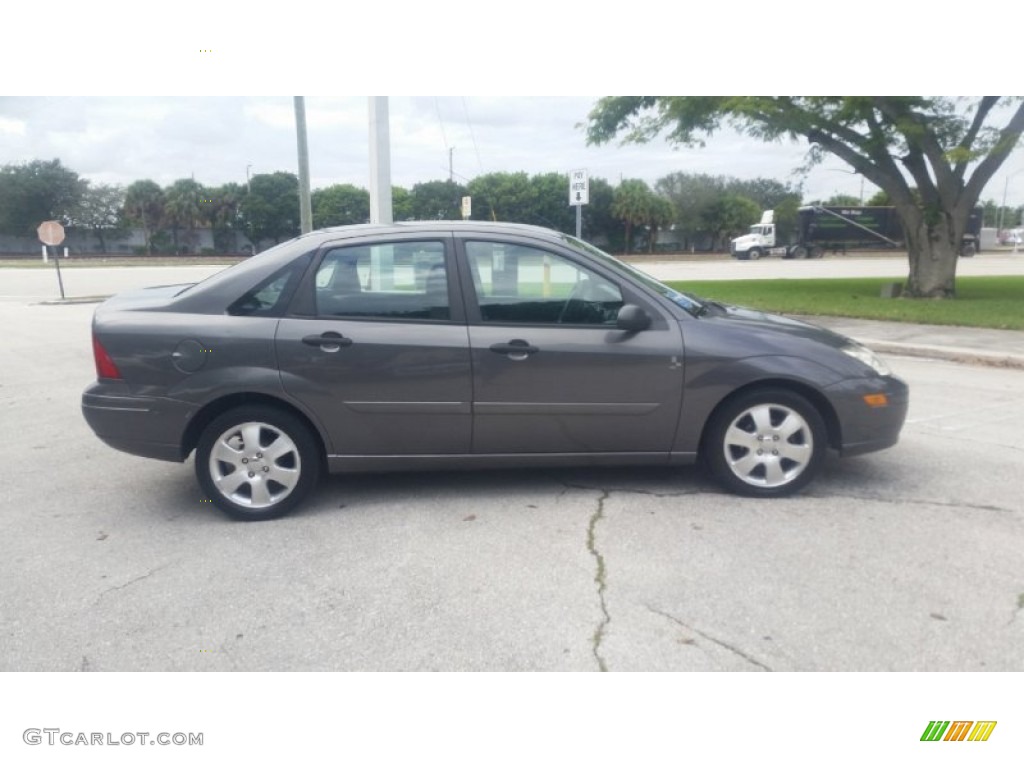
{"type": "Point", "coordinates": [687, 301]}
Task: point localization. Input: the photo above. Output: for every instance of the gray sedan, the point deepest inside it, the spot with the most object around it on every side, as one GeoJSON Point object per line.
{"type": "Point", "coordinates": [469, 344]}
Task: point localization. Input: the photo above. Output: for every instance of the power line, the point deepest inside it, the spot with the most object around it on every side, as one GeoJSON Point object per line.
{"type": "Point", "coordinates": [472, 135]}
{"type": "Point", "coordinates": [440, 120]}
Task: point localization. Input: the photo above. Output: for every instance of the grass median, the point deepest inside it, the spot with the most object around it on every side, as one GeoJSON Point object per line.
{"type": "Point", "coordinates": [982, 302]}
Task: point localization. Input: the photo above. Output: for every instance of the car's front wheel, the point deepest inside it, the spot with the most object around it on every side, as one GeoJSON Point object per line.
{"type": "Point", "coordinates": [257, 462]}
{"type": "Point", "coordinates": [769, 442]}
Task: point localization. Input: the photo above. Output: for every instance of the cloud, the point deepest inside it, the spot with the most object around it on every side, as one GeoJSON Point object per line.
{"type": "Point", "coordinates": [11, 126]}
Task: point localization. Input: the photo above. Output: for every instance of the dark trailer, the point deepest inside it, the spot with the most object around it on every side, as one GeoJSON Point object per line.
{"type": "Point", "coordinates": [841, 228]}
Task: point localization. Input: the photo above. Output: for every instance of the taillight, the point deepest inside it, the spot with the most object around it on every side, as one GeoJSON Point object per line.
{"type": "Point", "coordinates": [105, 368]}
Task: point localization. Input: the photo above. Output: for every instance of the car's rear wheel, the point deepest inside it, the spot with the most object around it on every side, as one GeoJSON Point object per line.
{"type": "Point", "coordinates": [769, 442]}
{"type": "Point", "coordinates": [257, 462]}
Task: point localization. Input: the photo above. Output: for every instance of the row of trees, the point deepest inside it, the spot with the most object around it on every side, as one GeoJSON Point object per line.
{"type": "Point", "coordinates": [703, 211]}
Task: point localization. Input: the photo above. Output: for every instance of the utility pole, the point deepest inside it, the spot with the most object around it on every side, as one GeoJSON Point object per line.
{"type": "Point", "coordinates": [451, 174]}
{"type": "Point", "coordinates": [380, 162]}
{"type": "Point", "coordinates": [305, 206]}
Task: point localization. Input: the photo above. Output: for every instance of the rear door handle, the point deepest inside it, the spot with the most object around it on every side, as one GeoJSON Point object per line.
{"type": "Point", "coordinates": [329, 341]}
{"type": "Point", "coordinates": [517, 349]}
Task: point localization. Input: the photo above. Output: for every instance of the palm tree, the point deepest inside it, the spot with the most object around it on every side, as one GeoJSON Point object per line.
{"type": "Point", "coordinates": [144, 206]}
{"type": "Point", "coordinates": [632, 205]}
{"type": "Point", "coordinates": [184, 208]}
{"type": "Point", "coordinates": [220, 208]}
{"type": "Point", "coordinates": [661, 214]}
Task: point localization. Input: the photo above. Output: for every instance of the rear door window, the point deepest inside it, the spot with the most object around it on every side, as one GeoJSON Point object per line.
{"type": "Point", "coordinates": [405, 280]}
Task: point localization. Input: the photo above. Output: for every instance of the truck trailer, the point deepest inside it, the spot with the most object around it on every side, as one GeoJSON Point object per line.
{"type": "Point", "coordinates": [821, 228]}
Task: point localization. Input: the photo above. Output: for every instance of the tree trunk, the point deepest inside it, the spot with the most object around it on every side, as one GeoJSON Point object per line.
{"type": "Point", "coordinates": [933, 247]}
{"type": "Point", "coordinates": [629, 227]}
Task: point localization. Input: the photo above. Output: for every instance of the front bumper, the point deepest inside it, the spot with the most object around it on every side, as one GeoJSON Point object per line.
{"type": "Point", "coordinates": [864, 428]}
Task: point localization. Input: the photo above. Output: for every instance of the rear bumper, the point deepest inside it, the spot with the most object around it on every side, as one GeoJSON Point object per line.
{"type": "Point", "coordinates": [144, 426]}
{"type": "Point", "coordinates": [865, 428]}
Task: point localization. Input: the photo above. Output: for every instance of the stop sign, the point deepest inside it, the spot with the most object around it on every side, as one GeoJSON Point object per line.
{"type": "Point", "coordinates": [51, 233]}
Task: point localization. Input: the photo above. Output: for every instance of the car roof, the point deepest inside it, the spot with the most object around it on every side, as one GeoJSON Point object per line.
{"type": "Point", "coordinates": [437, 225]}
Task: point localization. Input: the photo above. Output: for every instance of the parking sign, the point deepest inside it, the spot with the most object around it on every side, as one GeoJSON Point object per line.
{"type": "Point", "coordinates": [579, 187]}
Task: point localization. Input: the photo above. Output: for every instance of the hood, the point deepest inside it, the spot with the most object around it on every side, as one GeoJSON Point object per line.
{"type": "Point", "coordinates": [768, 326]}
{"type": "Point", "coordinates": [739, 332]}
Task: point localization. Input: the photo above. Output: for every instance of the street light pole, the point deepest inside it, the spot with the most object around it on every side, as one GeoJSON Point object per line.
{"type": "Point", "coordinates": [305, 207]}
{"type": "Point", "coordinates": [1002, 208]}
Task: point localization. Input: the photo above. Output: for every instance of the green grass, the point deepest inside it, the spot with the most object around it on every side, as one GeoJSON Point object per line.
{"type": "Point", "coordinates": [982, 302]}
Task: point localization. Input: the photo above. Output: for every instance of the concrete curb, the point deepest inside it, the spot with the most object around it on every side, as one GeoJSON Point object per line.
{"type": "Point", "coordinates": [950, 354]}
{"type": "Point", "coordinates": [74, 300]}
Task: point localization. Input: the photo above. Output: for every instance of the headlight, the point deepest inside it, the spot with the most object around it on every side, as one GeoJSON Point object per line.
{"type": "Point", "coordinates": [869, 359]}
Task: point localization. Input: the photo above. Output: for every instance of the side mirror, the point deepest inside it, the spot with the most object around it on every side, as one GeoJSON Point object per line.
{"type": "Point", "coordinates": [632, 318]}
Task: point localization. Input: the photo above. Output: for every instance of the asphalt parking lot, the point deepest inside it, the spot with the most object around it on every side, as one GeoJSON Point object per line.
{"type": "Point", "coordinates": [908, 559]}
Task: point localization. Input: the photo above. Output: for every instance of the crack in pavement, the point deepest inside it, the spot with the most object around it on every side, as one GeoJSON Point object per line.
{"type": "Point", "coordinates": [600, 578]}
{"type": "Point", "coordinates": [640, 491]}
{"type": "Point", "coordinates": [709, 638]}
{"type": "Point", "coordinates": [601, 575]}
{"type": "Point", "coordinates": [131, 581]}
{"type": "Point", "coordinates": [1020, 607]}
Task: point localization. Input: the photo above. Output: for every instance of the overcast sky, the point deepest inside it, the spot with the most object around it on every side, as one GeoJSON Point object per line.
{"type": "Point", "coordinates": [115, 132]}
{"type": "Point", "coordinates": [118, 140]}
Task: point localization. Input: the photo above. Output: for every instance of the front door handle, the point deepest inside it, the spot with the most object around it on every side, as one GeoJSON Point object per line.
{"type": "Point", "coordinates": [329, 341]}
{"type": "Point", "coordinates": [517, 349]}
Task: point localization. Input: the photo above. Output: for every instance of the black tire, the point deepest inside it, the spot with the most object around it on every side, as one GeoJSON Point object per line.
{"type": "Point", "coordinates": [784, 425]}
{"type": "Point", "coordinates": [968, 251]}
{"type": "Point", "coordinates": [754, 254]}
{"type": "Point", "coordinates": [265, 479]}
{"type": "Point", "coordinates": [799, 252]}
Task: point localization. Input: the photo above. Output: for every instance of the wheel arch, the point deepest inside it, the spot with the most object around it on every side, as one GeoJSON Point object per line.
{"type": "Point", "coordinates": [809, 393]}
{"type": "Point", "coordinates": [213, 409]}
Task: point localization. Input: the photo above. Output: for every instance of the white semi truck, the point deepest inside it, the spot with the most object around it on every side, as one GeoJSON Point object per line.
{"type": "Point", "coordinates": [760, 241]}
{"type": "Point", "coordinates": [821, 228]}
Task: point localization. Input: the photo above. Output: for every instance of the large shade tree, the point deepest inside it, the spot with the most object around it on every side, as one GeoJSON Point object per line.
{"type": "Point", "coordinates": [270, 208]}
{"type": "Point", "coordinates": [340, 204]}
{"type": "Point", "coordinates": [37, 191]}
{"type": "Point", "coordinates": [100, 211]}
{"type": "Point", "coordinates": [946, 148]}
